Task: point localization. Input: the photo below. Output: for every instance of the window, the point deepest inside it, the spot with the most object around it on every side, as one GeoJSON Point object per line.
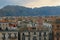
{"type": "Point", "coordinates": [39, 33]}
{"type": "Point", "coordinates": [44, 33]}
{"type": "Point", "coordinates": [39, 38]}
{"type": "Point", "coordinates": [28, 38]}
{"type": "Point", "coordinates": [58, 27]}
{"type": "Point", "coordinates": [9, 35]}
{"type": "Point", "coordinates": [3, 24]}
{"type": "Point", "coordinates": [33, 28]}
{"type": "Point", "coordinates": [34, 38]}
{"type": "Point", "coordinates": [23, 36]}
{"type": "Point", "coordinates": [0, 28]}
{"type": "Point", "coordinates": [29, 32]}
{"type": "Point", "coordinates": [3, 35]}
{"type": "Point", "coordinates": [57, 38]}
{"type": "Point", "coordinates": [45, 38]}
{"type": "Point", "coordinates": [57, 34]}
{"type": "Point", "coordinates": [15, 35]}
{"type": "Point", "coordinates": [34, 33]}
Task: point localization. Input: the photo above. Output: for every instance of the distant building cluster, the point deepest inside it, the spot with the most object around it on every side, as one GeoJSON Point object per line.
{"type": "Point", "coordinates": [30, 28]}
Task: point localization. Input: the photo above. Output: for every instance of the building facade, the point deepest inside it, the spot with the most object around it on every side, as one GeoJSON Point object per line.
{"type": "Point", "coordinates": [34, 35]}
{"type": "Point", "coordinates": [56, 29]}
{"type": "Point", "coordinates": [4, 25]}
{"type": "Point", "coordinates": [8, 35]}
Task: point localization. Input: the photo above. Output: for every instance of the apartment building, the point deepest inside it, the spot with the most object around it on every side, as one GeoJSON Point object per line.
{"type": "Point", "coordinates": [4, 25]}
{"type": "Point", "coordinates": [8, 35]}
{"type": "Point", "coordinates": [34, 35]}
{"type": "Point", "coordinates": [55, 22]}
{"type": "Point", "coordinates": [56, 28]}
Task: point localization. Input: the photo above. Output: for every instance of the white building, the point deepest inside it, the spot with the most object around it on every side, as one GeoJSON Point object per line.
{"type": "Point", "coordinates": [8, 35]}
{"type": "Point", "coordinates": [4, 25]}
{"type": "Point", "coordinates": [34, 35]}
{"type": "Point", "coordinates": [19, 23]}
{"type": "Point", "coordinates": [48, 25]}
{"type": "Point", "coordinates": [32, 24]}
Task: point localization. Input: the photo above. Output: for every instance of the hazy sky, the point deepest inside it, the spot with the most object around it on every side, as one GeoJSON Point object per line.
{"type": "Point", "coordinates": [30, 3]}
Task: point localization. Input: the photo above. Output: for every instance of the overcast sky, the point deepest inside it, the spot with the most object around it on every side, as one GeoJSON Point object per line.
{"type": "Point", "coordinates": [30, 3]}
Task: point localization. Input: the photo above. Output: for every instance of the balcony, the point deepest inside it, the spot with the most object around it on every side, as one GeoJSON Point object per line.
{"type": "Point", "coordinates": [57, 21]}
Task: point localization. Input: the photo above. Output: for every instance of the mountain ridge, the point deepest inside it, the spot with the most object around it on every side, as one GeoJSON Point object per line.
{"type": "Point", "coordinates": [24, 11]}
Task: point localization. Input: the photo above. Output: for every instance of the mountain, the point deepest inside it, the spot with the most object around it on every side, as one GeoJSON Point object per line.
{"type": "Point", "coordinates": [24, 11]}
